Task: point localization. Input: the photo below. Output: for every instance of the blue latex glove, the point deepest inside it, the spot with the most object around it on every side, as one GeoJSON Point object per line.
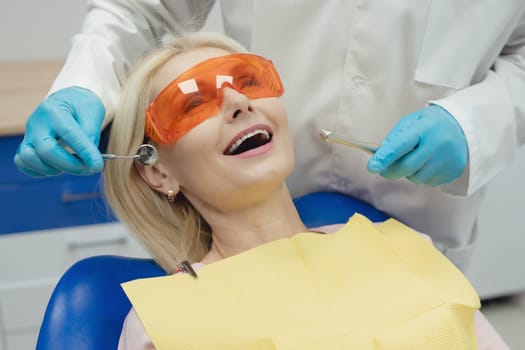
{"type": "Point", "coordinates": [427, 147]}
{"type": "Point", "coordinates": [70, 117]}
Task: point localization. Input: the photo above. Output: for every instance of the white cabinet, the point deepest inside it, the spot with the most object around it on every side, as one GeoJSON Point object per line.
{"type": "Point", "coordinates": [33, 262]}
{"type": "Point", "coordinates": [46, 224]}
{"type": "Point", "coordinates": [497, 267]}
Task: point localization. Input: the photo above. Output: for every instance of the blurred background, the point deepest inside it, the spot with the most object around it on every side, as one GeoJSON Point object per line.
{"type": "Point", "coordinates": [48, 224]}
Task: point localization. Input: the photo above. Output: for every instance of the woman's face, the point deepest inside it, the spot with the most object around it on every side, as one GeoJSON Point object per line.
{"type": "Point", "coordinates": [231, 159]}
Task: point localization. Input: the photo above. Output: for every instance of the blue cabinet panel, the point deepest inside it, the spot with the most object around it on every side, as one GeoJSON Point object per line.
{"type": "Point", "coordinates": [28, 203]}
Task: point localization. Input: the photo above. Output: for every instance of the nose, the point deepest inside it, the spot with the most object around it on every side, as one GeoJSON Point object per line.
{"type": "Point", "coordinates": [234, 103]}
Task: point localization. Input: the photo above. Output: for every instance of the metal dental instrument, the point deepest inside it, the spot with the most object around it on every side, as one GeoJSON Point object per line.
{"type": "Point", "coordinates": [146, 155]}
{"type": "Point", "coordinates": [109, 156]}
{"type": "Point", "coordinates": [328, 136]}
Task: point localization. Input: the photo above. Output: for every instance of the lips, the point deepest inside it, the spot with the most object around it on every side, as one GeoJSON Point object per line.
{"type": "Point", "coordinates": [249, 139]}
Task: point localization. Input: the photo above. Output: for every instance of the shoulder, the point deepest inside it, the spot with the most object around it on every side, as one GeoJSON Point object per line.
{"type": "Point", "coordinates": [133, 335]}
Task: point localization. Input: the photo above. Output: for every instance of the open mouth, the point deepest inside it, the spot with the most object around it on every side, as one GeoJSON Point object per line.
{"type": "Point", "coordinates": [253, 139]}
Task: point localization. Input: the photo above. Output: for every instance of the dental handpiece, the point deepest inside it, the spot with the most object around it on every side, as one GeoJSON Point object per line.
{"type": "Point", "coordinates": [328, 136]}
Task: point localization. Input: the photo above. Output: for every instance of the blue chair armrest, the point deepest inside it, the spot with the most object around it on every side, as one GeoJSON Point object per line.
{"type": "Point", "coordinates": [88, 306]}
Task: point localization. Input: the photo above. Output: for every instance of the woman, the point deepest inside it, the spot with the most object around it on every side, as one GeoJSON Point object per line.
{"type": "Point", "coordinates": [217, 198]}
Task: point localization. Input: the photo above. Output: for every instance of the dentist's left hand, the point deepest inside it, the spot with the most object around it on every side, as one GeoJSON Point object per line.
{"type": "Point", "coordinates": [427, 147]}
{"type": "Point", "coordinates": [69, 117]}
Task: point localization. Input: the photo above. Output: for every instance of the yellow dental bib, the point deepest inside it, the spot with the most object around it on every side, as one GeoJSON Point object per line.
{"type": "Point", "coordinates": [365, 287]}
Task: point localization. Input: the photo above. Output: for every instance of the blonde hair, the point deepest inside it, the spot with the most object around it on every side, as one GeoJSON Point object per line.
{"type": "Point", "coordinates": [171, 231]}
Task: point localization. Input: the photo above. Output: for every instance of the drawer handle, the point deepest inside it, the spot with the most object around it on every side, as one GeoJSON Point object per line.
{"type": "Point", "coordinates": [78, 244]}
{"type": "Point", "coordinates": [78, 197]}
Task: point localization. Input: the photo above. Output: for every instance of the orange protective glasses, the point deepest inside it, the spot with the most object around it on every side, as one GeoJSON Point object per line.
{"type": "Point", "coordinates": [196, 94]}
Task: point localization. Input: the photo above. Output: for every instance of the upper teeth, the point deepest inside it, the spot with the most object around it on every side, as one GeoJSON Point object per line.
{"type": "Point", "coordinates": [244, 137]}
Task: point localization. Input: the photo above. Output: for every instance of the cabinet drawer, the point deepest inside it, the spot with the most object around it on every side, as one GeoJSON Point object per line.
{"type": "Point", "coordinates": [28, 203]}
{"type": "Point", "coordinates": [41, 255]}
{"type": "Point", "coordinates": [23, 304]}
{"type": "Point", "coordinates": [25, 340]}
{"type": "Point", "coordinates": [33, 263]}
{"type": "Point", "coordinates": [38, 205]}
{"type": "Point", "coordinates": [22, 308]}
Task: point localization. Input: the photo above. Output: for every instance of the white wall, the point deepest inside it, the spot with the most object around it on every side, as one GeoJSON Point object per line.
{"type": "Point", "coordinates": [38, 30]}
{"type": "Point", "coordinates": [498, 264]}
{"type": "Point", "coordinates": [42, 29]}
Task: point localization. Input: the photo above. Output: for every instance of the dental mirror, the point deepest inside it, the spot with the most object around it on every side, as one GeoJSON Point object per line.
{"type": "Point", "coordinates": [146, 155]}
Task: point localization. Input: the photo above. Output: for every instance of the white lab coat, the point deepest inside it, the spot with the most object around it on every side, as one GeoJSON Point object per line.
{"type": "Point", "coordinates": [356, 67]}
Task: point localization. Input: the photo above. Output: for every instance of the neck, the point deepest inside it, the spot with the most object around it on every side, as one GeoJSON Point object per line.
{"type": "Point", "coordinates": [239, 230]}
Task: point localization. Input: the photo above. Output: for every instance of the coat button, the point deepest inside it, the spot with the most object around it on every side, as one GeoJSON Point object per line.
{"type": "Point", "coordinates": [358, 82]}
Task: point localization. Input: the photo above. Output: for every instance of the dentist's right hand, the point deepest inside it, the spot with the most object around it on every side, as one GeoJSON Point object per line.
{"type": "Point", "coordinates": [69, 117]}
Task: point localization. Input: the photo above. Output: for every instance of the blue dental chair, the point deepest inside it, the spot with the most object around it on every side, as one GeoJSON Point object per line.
{"type": "Point", "coordinates": [88, 306]}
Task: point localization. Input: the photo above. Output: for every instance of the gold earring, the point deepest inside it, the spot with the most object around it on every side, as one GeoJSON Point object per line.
{"type": "Point", "coordinates": [171, 196]}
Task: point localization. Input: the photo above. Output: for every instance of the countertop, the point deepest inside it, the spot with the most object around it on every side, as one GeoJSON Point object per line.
{"type": "Point", "coordinates": [23, 85]}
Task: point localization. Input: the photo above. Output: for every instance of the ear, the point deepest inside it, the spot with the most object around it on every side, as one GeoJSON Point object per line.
{"type": "Point", "coordinates": [158, 178]}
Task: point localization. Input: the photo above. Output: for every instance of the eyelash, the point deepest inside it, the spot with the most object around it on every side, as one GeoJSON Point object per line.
{"type": "Point", "coordinates": [192, 103]}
